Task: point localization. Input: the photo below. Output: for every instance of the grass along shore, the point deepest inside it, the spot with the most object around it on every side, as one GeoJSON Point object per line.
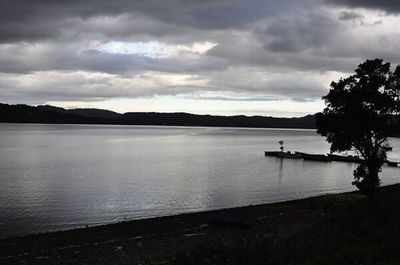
{"type": "Point", "coordinates": [329, 229]}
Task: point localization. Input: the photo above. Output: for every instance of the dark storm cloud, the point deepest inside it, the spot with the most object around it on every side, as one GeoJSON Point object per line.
{"type": "Point", "coordinates": [390, 6]}
{"type": "Point", "coordinates": [32, 20]}
{"type": "Point", "coordinates": [27, 20]}
{"type": "Point", "coordinates": [294, 34]}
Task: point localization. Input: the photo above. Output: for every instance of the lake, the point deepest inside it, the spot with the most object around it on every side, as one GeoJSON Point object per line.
{"type": "Point", "coordinates": [56, 177]}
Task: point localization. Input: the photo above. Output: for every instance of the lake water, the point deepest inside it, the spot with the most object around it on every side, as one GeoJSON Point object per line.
{"type": "Point", "coordinates": [56, 177]}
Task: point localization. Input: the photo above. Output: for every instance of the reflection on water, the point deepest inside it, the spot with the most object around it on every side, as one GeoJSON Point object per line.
{"type": "Point", "coordinates": [64, 176]}
{"type": "Point", "coordinates": [280, 171]}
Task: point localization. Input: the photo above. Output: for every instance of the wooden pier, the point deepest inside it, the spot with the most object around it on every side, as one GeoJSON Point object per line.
{"type": "Point", "coordinates": [322, 157]}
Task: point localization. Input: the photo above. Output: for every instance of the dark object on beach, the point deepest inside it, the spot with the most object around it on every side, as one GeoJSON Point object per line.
{"type": "Point", "coordinates": [361, 112]}
{"type": "Point", "coordinates": [231, 221]}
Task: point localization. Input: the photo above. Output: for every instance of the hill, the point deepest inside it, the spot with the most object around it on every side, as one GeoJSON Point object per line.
{"type": "Point", "coordinates": [50, 114]}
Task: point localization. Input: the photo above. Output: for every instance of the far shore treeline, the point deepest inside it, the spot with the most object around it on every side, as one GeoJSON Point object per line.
{"type": "Point", "coordinates": [50, 114]}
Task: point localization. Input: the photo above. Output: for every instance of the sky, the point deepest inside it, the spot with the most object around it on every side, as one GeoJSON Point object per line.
{"type": "Point", "coordinates": [224, 57]}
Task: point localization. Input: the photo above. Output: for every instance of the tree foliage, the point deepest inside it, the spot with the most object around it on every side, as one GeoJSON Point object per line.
{"type": "Point", "coordinates": [361, 111]}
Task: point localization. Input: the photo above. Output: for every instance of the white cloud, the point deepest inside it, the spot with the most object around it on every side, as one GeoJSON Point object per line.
{"type": "Point", "coordinates": [154, 49]}
{"type": "Point", "coordinates": [94, 86]}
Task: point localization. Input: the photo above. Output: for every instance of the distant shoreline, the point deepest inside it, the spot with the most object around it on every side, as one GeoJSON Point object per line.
{"type": "Point", "coordinates": [55, 115]}
{"type": "Point", "coordinates": [162, 238]}
{"type": "Point", "coordinates": [162, 126]}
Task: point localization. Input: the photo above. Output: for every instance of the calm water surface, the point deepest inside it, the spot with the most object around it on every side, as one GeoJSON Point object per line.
{"type": "Point", "coordinates": [65, 176]}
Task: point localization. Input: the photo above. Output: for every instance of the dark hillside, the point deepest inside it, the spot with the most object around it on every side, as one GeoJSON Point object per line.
{"type": "Point", "coordinates": [51, 114]}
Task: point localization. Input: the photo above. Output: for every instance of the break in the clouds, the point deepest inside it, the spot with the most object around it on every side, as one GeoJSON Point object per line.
{"type": "Point", "coordinates": [225, 57]}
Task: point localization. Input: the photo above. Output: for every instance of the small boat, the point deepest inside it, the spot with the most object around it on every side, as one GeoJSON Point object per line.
{"type": "Point", "coordinates": [288, 154]}
{"type": "Point", "coordinates": [349, 158]}
{"type": "Point", "coordinates": [313, 157]}
{"type": "Point", "coordinates": [281, 154]}
{"type": "Point", "coordinates": [272, 153]}
{"type": "Point", "coordinates": [391, 164]}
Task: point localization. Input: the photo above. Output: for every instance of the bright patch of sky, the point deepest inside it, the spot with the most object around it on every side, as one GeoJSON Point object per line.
{"type": "Point", "coordinates": [279, 108]}
{"type": "Point", "coordinates": [155, 49]}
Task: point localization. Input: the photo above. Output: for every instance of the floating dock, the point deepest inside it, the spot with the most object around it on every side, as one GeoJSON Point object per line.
{"type": "Point", "coordinates": [349, 158]}
{"type": "Point", "coordinates": [322, 157]}
{"type": "Point", "coordinates": [392, 164]}
{"type": "Point", "coordinates": [314, 157]}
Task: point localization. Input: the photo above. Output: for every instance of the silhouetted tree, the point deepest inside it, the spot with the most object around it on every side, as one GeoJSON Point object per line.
{"type": "Point", "coordinates": [360, 113]}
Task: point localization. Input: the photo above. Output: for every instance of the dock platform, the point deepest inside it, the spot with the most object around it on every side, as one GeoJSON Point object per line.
{"type": "Point", "coordinates": [323, 157]}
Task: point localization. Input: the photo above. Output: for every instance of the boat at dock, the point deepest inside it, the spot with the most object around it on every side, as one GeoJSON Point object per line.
{"type": "Point", "coordinates": [272, 153]}
{"type": "Point", "coordinates": [281, 154]}
{"type": "Point", "coordinates": [323, 157]}
{"type": "Point", "coordinates": [313, 157]}
{"type": "Point", "coordinates": [297, 155]}
{"type": "Point", "coordinates": [391, 163]}
{"type": "Point", "coordinates": [348, 158]}
{"type": "Point", "coordinates": [288, 154]}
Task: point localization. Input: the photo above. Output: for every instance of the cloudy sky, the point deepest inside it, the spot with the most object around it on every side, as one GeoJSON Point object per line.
{"type": "Point", "coordinates": [200, 56]}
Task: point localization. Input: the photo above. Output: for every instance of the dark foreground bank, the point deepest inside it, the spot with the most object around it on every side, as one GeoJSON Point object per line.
{"type": "Point", "coordinates": [331, 229]}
